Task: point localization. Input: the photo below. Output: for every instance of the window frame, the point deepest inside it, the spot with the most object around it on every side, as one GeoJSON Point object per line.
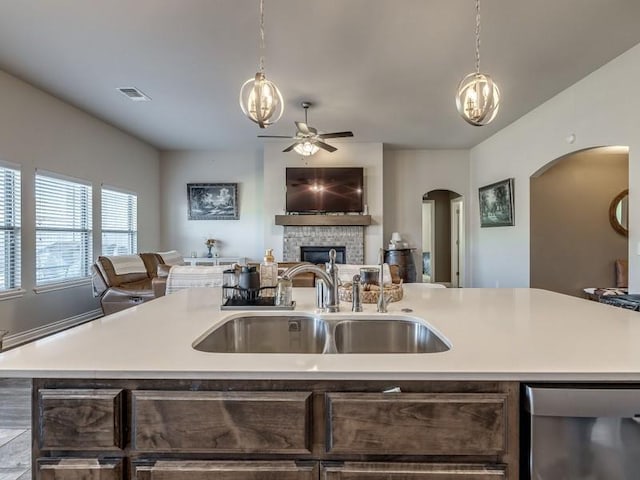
{"type": "Point", "coordinates": [12, 201]}
{"type": "Point", "coordinates": [85, 207]}
{"type": "Point", "coordinates": [132, 219]}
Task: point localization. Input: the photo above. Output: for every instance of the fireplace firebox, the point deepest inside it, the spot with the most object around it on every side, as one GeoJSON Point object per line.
{"type": "Point", "coordinates": [320, 254]}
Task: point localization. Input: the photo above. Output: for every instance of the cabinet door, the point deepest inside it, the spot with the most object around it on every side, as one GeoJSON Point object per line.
{"type": "Point", "coordinates": [79, 469]}
{"type": "Point", "coordinates": [79, 419]}
{"type": "Point", "coordinates": [411, 471]}
{"type": "Point", "coordinates": [416, 423]}
{"type": "Point", "coordinates": [221, 422]}
{"type": "Point", "coordinates": [210, 470]}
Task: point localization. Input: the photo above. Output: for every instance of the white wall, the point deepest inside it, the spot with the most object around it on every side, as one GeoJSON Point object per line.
{"type": "Point", "coordinates": [349, 154]}
{"type": "Point", "coordinates": [408, 175]}
{"type": "Point", "coordinates": [38, 131]}
{"type": "Point", "coordinates": [602, 109]}
{"type": "Point", "coordinates": [242, 237]}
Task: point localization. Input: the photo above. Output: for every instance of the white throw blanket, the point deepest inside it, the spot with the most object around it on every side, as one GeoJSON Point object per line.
{"type": "Point", "coordinates": [181, 277]}
{"type": "Point", "coordinates": [172, 257]}
{"type": "Point", "coordinates": [124, 264]}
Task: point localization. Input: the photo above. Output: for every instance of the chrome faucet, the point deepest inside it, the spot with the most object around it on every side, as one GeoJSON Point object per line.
{"type": "Point", "coordinates": [356, 303]}
{"type": "Point", "coordinates": [330, 301]}
{"type": "Point", "coordinates": [382, 301]}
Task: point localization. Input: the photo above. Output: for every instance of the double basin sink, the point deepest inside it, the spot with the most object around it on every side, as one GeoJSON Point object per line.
{"type": "Point", "coordinates": [308, 333]}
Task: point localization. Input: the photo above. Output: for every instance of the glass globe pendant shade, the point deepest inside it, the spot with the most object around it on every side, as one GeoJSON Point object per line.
{"type": "Point", "coordinates": [478, 99]}
{"type": "Point", "coordinates": [261, 101]}
{"type": "Point", "coordinates": [306, 148]}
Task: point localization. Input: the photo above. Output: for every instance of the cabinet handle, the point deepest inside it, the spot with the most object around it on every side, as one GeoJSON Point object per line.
{"type": "Point", "coordinates": [392, 390]}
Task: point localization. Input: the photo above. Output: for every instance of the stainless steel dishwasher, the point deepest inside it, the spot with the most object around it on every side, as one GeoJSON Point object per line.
{"type": "Point", "coordinates": [583, 433]}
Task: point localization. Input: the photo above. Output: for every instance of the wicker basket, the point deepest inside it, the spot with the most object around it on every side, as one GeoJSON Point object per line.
{"type": "Point", "coordinates": [393, 292]}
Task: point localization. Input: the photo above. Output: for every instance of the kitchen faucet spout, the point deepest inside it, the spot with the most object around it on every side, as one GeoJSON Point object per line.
{"type": "Point", "coordinates": [330, 302]}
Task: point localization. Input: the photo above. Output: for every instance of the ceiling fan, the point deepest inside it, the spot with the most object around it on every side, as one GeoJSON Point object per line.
{"type": "Point", "coordinates": [307, 139]}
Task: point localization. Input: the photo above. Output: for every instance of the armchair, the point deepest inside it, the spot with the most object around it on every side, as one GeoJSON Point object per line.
{"type": "Point", "coordinates": [124, 281]}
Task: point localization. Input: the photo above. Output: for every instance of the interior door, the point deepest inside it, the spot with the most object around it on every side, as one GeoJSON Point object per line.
{"type": "Point", "coordinates": [457, 242]}
{"type": "Point", "coordinates": [428, 240]}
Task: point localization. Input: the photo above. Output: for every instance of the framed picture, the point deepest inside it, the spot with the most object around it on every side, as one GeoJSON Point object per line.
{"type": "Point", "coordinates": [213, 201]}
{"type": "Point", "coordinates": [496, 204]}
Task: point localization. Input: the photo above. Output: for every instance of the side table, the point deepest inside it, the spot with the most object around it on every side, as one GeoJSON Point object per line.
{"type": "Point", "coordinates": [214, 260]}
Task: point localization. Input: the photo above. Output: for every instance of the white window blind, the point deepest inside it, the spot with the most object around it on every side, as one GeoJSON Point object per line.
{"type": "Point", "coordinates": [63, 229]}
{"type": "Point", "coordinates": [9, 228]}
{"type": "Point", "coordinates": [119, 222]}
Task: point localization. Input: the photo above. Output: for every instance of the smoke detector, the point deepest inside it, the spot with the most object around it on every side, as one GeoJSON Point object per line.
{"type": "Point", "coordinates": [132, 93]}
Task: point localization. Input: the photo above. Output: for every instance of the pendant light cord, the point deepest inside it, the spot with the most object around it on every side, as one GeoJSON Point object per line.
{"type": "Point", "coordinates": [477, 36]}
{"type": "Point", "coordinates": [262, 35]}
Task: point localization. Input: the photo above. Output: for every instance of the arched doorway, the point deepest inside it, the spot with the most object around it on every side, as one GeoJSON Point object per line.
{"type": "Point", "coordinates": [573, 244]}
{"type": "Point", "coordinates": [443, 238]}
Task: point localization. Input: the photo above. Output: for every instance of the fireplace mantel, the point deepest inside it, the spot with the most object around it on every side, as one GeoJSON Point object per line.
{"type": "Point", "coordinates": [323, 220]}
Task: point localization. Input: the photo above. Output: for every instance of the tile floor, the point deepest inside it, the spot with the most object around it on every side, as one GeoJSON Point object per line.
{"type": "Point", "coordinates": [15, 429]}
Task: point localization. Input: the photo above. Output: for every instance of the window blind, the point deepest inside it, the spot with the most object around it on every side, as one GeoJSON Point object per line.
{"type": "Point", "coordinates": [63, 229]}
{"type": "Point", "coordinates": [119, 222]}
{"type": "Point", "coordinates": [10, 249]}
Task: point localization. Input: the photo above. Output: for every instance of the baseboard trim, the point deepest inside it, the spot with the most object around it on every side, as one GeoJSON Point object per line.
{"type": "Point", "coordinates": [15, 340]}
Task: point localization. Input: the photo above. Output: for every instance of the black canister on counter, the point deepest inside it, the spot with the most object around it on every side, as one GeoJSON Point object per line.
{"type": "Point", "coordinates": [249, 278]}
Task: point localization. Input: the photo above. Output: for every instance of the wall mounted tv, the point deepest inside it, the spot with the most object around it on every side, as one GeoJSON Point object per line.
{"type": "Point", "coordinates": [322, 190]}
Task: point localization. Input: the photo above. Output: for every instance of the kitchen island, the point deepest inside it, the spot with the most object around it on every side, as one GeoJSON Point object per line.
{"type": "Point", "coordinates": [495, 334]}
{"type": "Point", "coordinates": [127, 395]}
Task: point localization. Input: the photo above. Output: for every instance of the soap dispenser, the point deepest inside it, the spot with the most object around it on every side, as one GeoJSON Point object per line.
{"type": "Point", "coordinates": [268, 274]}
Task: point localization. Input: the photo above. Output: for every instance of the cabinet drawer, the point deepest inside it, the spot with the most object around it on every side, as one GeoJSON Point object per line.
{"type": "Point", "coordinates": [80, 419]}
{"type": "Point", "coordinates": [413, 471]}
{"type": "Point", "coordinates": [265, 422]}
{"type": "Point", "coordinates": [207, 470]}
{"type": "Point", "coordinates": [79, 469]}
{"type": "Point", "coordinates": [416, 423]}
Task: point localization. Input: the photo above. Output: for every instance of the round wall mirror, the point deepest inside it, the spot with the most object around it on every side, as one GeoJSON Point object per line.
{"type": "Point", "coordinates": [619, 213]}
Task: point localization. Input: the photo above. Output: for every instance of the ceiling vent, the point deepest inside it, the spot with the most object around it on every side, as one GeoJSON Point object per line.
{"type": "Point", "coordinates": [134, 94]}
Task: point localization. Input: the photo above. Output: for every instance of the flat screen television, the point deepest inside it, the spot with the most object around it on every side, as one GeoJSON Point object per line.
{"type": "Point", "coordinates": [325, 190]}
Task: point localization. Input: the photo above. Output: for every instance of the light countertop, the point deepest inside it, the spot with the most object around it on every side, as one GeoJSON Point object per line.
{"type": "Point", "coordinates": [495, 334]}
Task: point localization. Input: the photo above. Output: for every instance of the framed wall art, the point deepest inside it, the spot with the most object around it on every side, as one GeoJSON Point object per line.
{"type": "Point", "coordinates": [496, 204]}
{"type": "Point", "coordinates": [212, 201]}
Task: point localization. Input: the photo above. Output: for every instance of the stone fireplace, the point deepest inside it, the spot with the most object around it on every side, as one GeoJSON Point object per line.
{"type": "Point", "coordinates": [350, 237]}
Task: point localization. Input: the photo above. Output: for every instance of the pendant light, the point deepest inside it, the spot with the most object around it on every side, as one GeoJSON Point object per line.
{"type": "Point", "coordinates": [478, 97]}
{"type": "Point", "coordinates": [260, 99]}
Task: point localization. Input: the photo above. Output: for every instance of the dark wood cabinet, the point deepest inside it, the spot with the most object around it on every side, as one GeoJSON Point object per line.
{"type": "Point", "coordinates": [236, 422]}
{"type": "Point", "coordinates": [79, 419]}
{"type": "Point", "coordinates": [275, 430]}
{"type": "Point", "coordinates": [416, 423]}
{"type": "Point", "coordinates": [412, 471]}
{"type": "Point", "coordinates": [79, 469]}
{"type": "Point", "coordinates": [216, 470]}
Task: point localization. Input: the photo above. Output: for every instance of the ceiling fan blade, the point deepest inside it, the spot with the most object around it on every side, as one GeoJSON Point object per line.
{"type": "Point", "coordinates": [275, 136]}
{"type": "Point", "coordinates": [303, 128]}
{"type": "Point", "coordinates": [336, 135]}
{"type": "Point", "coordinates": [290, 147]}
{"type": "Point", "coordinates": [325, 146]}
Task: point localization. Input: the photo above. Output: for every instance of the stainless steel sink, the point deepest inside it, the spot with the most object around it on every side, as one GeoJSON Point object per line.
{"type": "Point", "coordinates": [267, 334]}
{"type": "Point", "coordinates": [317, 334]}
{"type": "Point", "coordinates": [386, 336]}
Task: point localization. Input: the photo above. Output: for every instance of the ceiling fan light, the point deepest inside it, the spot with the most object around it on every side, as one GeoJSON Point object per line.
{"type": "Point", "coordinates": [306, 148]}
{"type": "Point", "coordinates": [261, 101]}
{"type": "Point", "coordinates": [478, 99]}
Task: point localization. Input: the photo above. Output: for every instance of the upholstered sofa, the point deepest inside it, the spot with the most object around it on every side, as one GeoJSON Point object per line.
{"type": "Point", "coordinates": [123, 281]}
